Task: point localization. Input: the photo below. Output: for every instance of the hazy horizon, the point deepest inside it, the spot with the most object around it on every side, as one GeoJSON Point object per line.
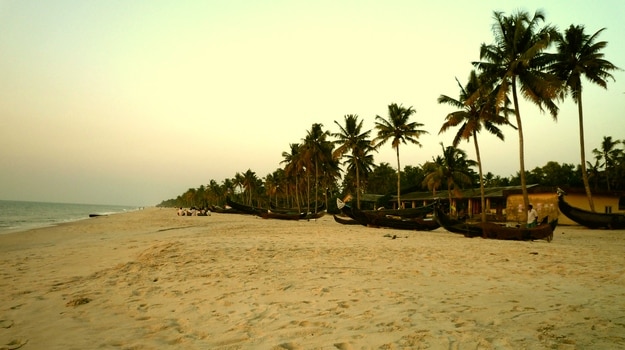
{"type": "Point", "coordinates": [133, 103]}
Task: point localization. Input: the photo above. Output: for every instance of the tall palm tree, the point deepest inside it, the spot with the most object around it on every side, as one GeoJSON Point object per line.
{"type": "Point", "coordinates": [249, 184]}
{"type": "Point", "coordinates": [515, 62]}
{"type": "Point", "coordinates": [579, 54]}
{"type": "Point", "coordinates": [293, 168]}
{"type": "Point", "coordinates": [608, 154]}
{"type": "Point", "coordinates": [352, 140]}
{"type": "Point", "coordinates": [398, 130]}
{"type": "Point", "coordinates": [317, 150]}
{"type": "Point", "coordinates": [360, 162]}
{"type": "Point", "coordinates": [476, 112]}
{"type": "Point", "coordinates": [238, 181]}
{"type": "Point", "coordinates": [453, 169]}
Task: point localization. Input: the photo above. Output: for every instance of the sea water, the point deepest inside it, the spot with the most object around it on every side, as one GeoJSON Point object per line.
{"type": "Point", "coordinates": [20, 216]}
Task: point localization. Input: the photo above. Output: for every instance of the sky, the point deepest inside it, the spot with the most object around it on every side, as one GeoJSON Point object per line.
{"type": "Point", "coordinates": [134, 102]}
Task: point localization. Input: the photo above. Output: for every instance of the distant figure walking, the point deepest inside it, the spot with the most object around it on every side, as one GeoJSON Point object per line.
{"type": "Point", "coordinates": [532, 217]}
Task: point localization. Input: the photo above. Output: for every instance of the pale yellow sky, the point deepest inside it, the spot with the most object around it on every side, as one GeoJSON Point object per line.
{"type": "Point", "coordinates": [133, 102]}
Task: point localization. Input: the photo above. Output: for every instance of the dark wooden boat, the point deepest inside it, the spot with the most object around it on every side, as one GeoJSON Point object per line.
{"type": "Point", "coordinates": [221, 210]}
{"type": "Point", "coordinates": [276, 209]}
{"type": "Point", "coordinates": [270, 214]}
{"type": "Point", "coordinates": [345, 221]}
{"type": "Point", "coordinates": [396, 222]}
{"type": "Point", "coordinates": [419, 212]}
{"type": "Point", "coordinates": [495, 231]}
{"type": "Point", "coordinates": [588, 218]}
{"type": "Point", "coordinates": [456, 226]}
{"type": "Point", "coordinates": [543, 231]}
{"type": "Point", "coordinates": [314, 216]}
{"type": "Point", "coordinates": [282, 216]}
{"type": "Point", "coordinates": [246, 209]}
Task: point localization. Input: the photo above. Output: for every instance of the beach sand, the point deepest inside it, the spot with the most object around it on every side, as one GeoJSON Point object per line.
{"type": "Point", "coordinates": [151, 280]}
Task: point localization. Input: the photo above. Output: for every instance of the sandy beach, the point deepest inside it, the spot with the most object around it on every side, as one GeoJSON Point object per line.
{"type": "Point", "coordinates": [151, 280]}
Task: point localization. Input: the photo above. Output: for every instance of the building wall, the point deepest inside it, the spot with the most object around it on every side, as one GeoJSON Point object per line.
{"type": "Point", "coordinates": [546, 204]}
{"type": "Point", "coordinates": [603, 204]}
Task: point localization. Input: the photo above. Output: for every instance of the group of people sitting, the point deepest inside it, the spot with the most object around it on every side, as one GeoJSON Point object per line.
{"type": "Point", "coordinates": [193, 211]}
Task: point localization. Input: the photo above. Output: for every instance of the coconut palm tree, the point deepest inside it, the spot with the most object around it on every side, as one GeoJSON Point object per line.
{"type": "Point", "coordinates": [579, 54]}
{"type": "Point", "coordinates": [249, 184]}
{"type": "Point", "coordinates": [452, 168]}
{"type": "Point", "coordinates": [317, 151]}
{"type": "Point", "coordinates": [608, 154]}
{"type": "Point", "coordinates": [398, 130]}
{"type": "Point", "coordinates": [516, 62]}
{"type": "Point", "coordinates": [293, 168]}
{"type": "Point", "coordinates": [476, 112]}
{"type": "Point", "coordinates": [352, 140]}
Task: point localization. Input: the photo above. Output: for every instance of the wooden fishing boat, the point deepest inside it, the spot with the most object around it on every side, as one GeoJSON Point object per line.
{"type": "Point", "coordinates": [456, 226]}
{"type": "Point", "coordinates": [282, 216]}
{"type": "Point", "coordinates": [419, 212]}
{"type": "Point", "coordinates": [495, 231]}
{"type": "Point", "coordinates": [277, 209]}
{"type": "Point", "coordinates": [246, 208]}
{"type": "Point", "coordinates": [345, 221]}
{"type": "Point", "coordinates": [271, 214]}
{"type": "Point", "coordinates": [588, 218]}
{"type": "Point", "coordinates": [396, 222]}
{"type": "Point", "coordinates": [314, 216]}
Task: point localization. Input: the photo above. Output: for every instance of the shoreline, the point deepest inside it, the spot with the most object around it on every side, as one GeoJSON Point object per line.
{"type": "Point", "coordinates": [150, 279]}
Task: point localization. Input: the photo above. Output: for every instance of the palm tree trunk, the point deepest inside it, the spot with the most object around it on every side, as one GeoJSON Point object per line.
{"type": "Point", "coordinates": [455, 211]}
{"type": "Point", "coordinates": [357, 186]}
{"type": "Point", "coordinates": [526, 200]}
{"type": "Point", "coordinates": [583, 151]}
{"type": "Point", "coordinates": [398, 180]}
{"type": "Point", "coordinates": [316, 186]}
{"type": "Point", "coordinates": [479, 167]}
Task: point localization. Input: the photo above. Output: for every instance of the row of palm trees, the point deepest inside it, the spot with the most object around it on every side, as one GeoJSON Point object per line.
{"type": "Point", "coordinates": [517, 62]}
{"type": "Point", "coordinates": [450, 170]}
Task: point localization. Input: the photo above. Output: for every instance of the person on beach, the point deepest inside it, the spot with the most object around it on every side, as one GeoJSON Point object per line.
{"type": "Point", "coordinates": [532, 217]}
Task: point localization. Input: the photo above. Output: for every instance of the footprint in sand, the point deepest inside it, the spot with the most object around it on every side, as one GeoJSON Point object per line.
{"type": "Point", "coordinates": [6, 323]}
{"type": "Point", "coordinates": [14, 344]}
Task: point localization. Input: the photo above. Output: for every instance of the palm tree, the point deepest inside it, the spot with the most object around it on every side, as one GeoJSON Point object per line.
{"type": "Point", "coordinates": [351, 139]}
{"type": "Point", "coordinates": [608, 154]}
{"type": "Point", "coordinates": [515, 62]}
{"type": "Point", "coordinates": [397, 129]}
{"type": "Point", "coordinates": [360, 165]}
{"type": "Point", "coordinates": [317, 150]}
{"type": "Point", "coordinates": [453, 169]}
{"type": "Point", "coordinates": [579, 54]}
{"type": "Point", "coordinates": [476, 111]}
{"type": "Point", "coordinates": [238, 181]}
{"type": "Point", "coordinates": [293, 167]}
{"type": "Point", "coordinates": [249, 184]}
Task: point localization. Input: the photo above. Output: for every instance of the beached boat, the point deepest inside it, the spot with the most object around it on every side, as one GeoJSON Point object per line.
{"type": "Point", "coordinates": [246, 209]}
{"type": "Point", "coordinates": [314, 216]}
{"type": "Point", "coordinates": [419, 212]}
{"type": "Point", "coordinates": [271, 214]}
{"type": "Point", "coordinates": [396, 222]}
{"type": "Point", "coordinates": [282, 216]}
{"type": "Point", "coordinates": [496, 231]}
{"type": "Point", "coordinates": [456, 226]}
{"type": "Point", "coordinates": [277, 209]}
{"type": "Point", "coordinates": [588, 218]}
{"type": "Point", "coordinates": [345, 220]}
